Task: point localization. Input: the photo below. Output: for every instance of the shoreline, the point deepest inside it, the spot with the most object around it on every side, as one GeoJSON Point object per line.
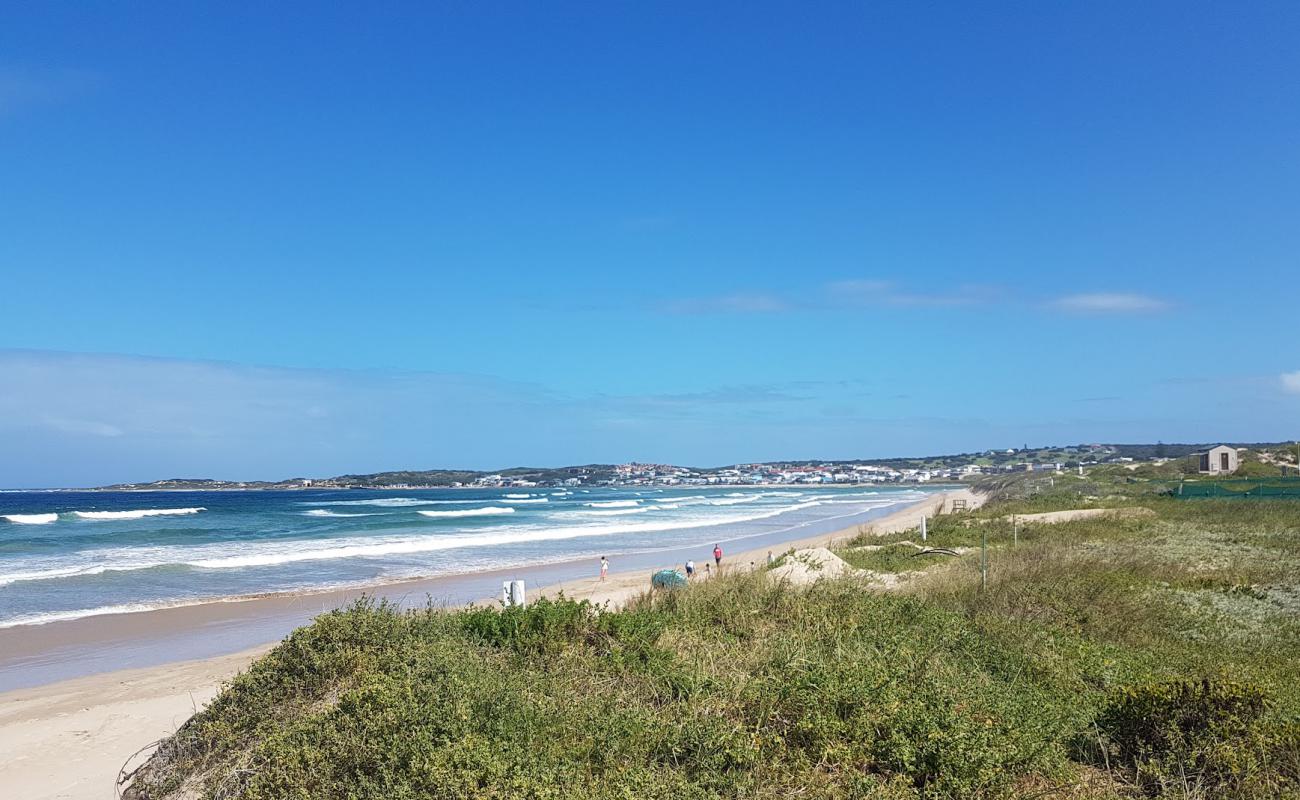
{"type": "Point", "coordinates": [624, 585]}
{"type": "Point", "coordinates": [34, 654]}
{"type": "Point", "coordinates": [100, 719]}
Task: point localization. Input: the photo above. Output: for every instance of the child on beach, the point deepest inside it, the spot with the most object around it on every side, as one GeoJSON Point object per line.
{"type": "Point", "coordinates": [604, 567]}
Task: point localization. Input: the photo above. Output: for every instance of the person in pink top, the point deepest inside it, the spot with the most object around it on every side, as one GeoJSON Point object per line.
{"type": "Point", "coordinates": [717, 555]}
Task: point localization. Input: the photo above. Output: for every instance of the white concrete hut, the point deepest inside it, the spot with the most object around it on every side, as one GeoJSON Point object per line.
{"type": "Point", "coordinates": [1221, 460]}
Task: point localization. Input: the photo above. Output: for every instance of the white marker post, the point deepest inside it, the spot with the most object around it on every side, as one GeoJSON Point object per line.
{"type": "Point", "coordinates": [923, 532]}
{"type": "Point", "coordinates": [517, 594]}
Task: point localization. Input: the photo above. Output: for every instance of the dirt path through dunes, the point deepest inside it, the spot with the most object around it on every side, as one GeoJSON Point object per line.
{"type": "Point", "coordinates": [1051, 517]}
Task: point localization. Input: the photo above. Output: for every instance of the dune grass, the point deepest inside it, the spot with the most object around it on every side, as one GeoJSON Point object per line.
{"type": "Point", "coordinates": [1107, 658]}
{"type": "Point", "coordinates": [894, 557]}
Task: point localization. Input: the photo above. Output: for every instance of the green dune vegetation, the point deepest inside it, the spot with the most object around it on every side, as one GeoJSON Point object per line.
{"type": "Point", "coordinates": [1120, 656]}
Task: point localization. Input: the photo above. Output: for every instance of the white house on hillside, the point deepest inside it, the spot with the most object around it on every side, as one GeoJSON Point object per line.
{"type": "Point", "coordinates": [1221, 460]}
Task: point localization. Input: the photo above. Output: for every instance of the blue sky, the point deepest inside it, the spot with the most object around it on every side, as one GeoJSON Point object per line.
{"type": "Point", "coordinates": [249, 243]}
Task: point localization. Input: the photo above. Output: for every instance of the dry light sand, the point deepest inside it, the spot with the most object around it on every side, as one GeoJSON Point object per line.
{"type": "Point", "coordinates": [68, 740]}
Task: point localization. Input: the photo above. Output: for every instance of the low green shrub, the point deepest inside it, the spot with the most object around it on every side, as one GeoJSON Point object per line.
{"type": "Point", "coordinates": [892, 558]}
{"type": "Point", "coordinates": [1212, 734]}
{"type": "Point", "coordinates": [543, 627]}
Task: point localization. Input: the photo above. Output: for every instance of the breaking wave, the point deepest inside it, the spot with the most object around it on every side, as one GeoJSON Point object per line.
{"type": "Point", "coordinates": [136, 514]}
{"type": "Point", "coordinates": [31, 519]}
{"type": "Point", "coordinates": [735, 499]}
{"type": "Point", "coordinates": [385, 502]}
{"type": "Point", "coordinates": [469, 512]}
{"type": "Point", "coordinates": [424, 544]}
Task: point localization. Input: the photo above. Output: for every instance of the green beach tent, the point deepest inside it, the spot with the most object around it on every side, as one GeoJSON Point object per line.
{"type": "Point", "coordinates": [667, 579]}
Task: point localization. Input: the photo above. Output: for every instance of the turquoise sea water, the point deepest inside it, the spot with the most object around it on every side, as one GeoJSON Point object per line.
{"type": "Point", "coordinates": [65, 555]}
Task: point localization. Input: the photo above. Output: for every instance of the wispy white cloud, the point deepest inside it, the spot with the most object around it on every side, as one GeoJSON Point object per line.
{"type": "Point", "coordinates": [1110, 303]}
{"type": "Point", "coordinates": [95, 418]}
{"type": "Point", "coordinates": [85, 419]}
{"type": "Point", "coordinates": [1291, 382]}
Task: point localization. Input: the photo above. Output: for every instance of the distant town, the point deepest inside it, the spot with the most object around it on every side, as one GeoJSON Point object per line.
{"type": "Point", "coordinates": [1169, 459]}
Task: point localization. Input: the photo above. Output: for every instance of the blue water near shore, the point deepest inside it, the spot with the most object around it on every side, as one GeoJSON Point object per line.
{"type": "Point", "coordinates": [66, 555]}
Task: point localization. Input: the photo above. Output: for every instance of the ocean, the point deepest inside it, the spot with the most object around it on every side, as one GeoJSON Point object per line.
{"type": "Point", "coordinates": [68, 555]}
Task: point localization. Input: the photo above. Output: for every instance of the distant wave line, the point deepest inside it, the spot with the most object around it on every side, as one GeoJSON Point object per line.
{"type": "Point", "coordinates": [469, 512]}
{"type": "Point", "coordinates": [321, 512]}
{"type": "Point", "coordinates": [137, 513]}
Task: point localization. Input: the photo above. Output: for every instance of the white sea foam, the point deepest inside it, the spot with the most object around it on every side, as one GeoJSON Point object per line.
{"type": "Point", "coordinates": [615, 512]}
{"type": "Point", "coordinates": [47, 574]}
{"type": "Point", "coordinates": [385, 502]}
{"type": "Point", "coordinates": [32, 519]}
{"type": "Point", "coordinates": [469, 512]}
{"type": "Point", "coordinates": [530, 500]}
{"type": "Point", "coordinates": [731, 500]}
{"type": "Point", "coordinates": [136, 514]}
{"type": "Point", "coordinates": [256, 553]}
{"type": "Point", "coordinates": [517, 496]}
{"type": "Point", "coordinates": [405, 545]}
{"type": "Point", "coordinates": [615, 504]}
{"type": "Point", "coordinates": [690, 499]}
{"type": "Point", "coordinates": [62, 616]}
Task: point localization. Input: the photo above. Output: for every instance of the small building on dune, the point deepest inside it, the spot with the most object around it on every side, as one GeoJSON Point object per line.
{"type": "Point", "coordinates": [1221, 460]}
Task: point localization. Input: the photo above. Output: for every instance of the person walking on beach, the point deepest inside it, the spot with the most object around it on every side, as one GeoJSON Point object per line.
{"type": "Point", "coordinates": [690, 568]}
{"type": "Point", "coordinates": [708, 570]}
{"type": "Point", "coordinates": [769, 558]}
{"type": "Point", "coordinates": [717, 555]}
{"type": "Point", "coordinates": [604, 567]}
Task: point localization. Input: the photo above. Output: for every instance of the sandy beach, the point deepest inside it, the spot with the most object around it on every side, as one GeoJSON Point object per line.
{"type": "Point", "coordinates": [620, 587]}
{"type": "Point", "coordinates": [70, 738]}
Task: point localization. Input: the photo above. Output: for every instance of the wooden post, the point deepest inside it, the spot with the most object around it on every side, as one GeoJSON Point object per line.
{"type": "Point", "coordinates": [984, 560]}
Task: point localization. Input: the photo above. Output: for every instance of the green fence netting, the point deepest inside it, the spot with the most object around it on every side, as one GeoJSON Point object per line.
{"type": "Point", "coordinates": [1242, 488]}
